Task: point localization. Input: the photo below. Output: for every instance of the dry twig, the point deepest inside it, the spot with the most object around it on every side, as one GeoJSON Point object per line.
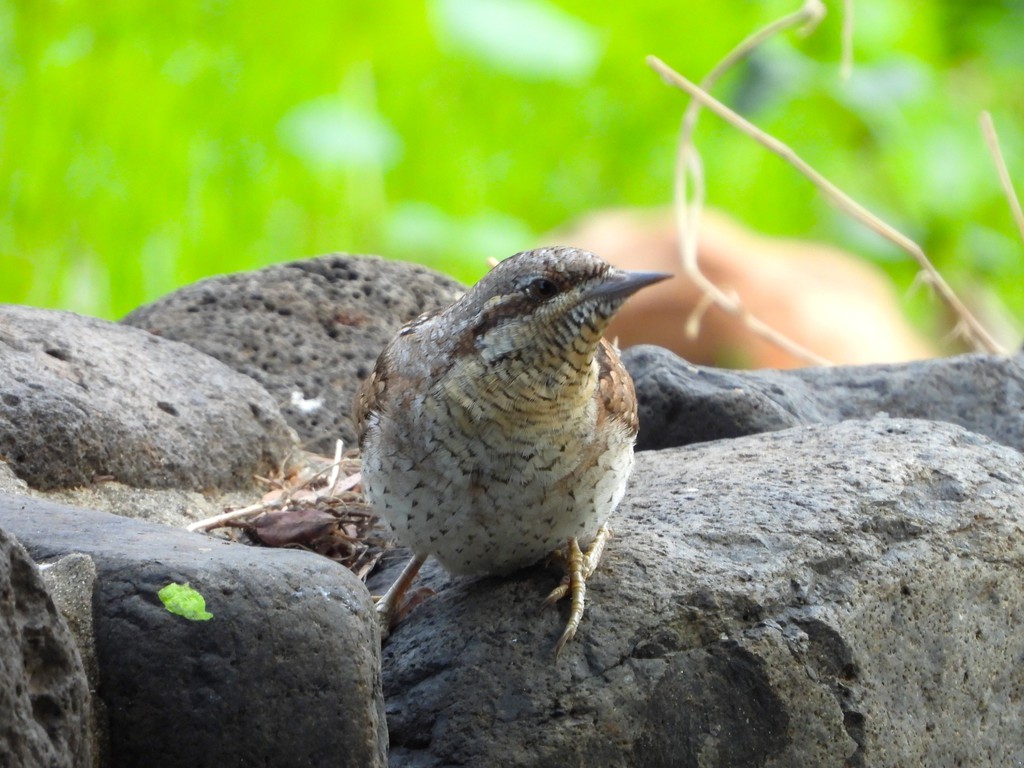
{"type": "Point", "coordinates": [968, 324]}
{"type": "Point", "coordinates": [988, 131]}
{"type": "Point", "coordinates": [690, 171]}
{"type": "Point", "coordinates": [218, 521]}
{"type": "Point", "coordinates": [846, 63]}
{"type": "Point", "coordinates": [316, 508]}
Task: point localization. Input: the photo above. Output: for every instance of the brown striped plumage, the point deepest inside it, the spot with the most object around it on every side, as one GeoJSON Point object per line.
{"type": "Point", "coordinates": [500, 428]}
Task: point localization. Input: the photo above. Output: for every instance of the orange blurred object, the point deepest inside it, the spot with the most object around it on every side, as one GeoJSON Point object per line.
{"type": "Point", "coordinates": [825, 299]}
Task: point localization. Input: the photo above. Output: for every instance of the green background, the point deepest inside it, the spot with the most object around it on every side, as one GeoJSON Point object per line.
{"type": "Point", "coordinates": [145, 145]}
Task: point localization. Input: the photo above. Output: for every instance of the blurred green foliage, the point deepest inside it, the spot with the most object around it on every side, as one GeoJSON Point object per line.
{"type": "Point", "coordinates": [144, 145]}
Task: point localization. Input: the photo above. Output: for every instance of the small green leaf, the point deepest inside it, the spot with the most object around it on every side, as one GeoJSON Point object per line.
{"type": "Point", "coordinates": [184, 601]}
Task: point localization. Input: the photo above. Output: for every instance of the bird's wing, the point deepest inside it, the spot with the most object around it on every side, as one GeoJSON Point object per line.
{"type": "Point", "coordinates": [616, 398]}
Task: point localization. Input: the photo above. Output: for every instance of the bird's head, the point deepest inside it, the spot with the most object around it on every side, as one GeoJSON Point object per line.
{"type": "Point", "coordinates": [546, 307]}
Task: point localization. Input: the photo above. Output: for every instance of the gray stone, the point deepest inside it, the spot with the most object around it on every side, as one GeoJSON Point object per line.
{"type": "Point", "coordinates": [681, 403]}
{"type": "Point", "coordinates": [828, 595]}
{"type": "Point", "coordinates": [168, 506]}
{"type": "Point", "coordinates": [286, 673]}
{"type": "Point", "coordinates": [71, 581]}
{"type": "Point", "coordinates": [82, 398]}
{"type": "Point", "coordinates": [44, 697]}
{"type": "Point", "coordinates": [10, 482]}
{"type": "Point", "coordinates": [309, 331]}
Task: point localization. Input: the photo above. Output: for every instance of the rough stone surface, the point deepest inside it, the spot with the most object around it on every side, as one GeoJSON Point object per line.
{"type": "Point", "coordinates": [44, 697]}
{"type": "Point", "coordinates": [681, 403]}
{"type": "Point", "coordinates": [168, 506]}
{"type": "Point", "coordinates": [286, 673]}
{"type": "Point", "coordinates": [81, 398]}
{"type": "Point", "coordinates": [844, 595]}
{"type": "Point", "coordinates": [309, 331]}
{"type": "Point", "coordinates": [10, 482]}
{"type": "Point", "coordinates": [71, 581]}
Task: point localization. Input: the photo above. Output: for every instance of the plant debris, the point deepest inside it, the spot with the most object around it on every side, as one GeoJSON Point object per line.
{"type": "Point", "coordinates": [317, 506]}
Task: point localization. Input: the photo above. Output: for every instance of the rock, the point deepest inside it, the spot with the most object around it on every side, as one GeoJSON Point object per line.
{"type": "Point", "coordinates": [827, 595]}
{"type": "Point", "coordinates": [309, 331]}
{"type": "Point", "coordinates": [285, 673]}
{"type": "Point", "coordinates": [81, 398]}
{"type": "Point", "coordinates": [70, 582]}
{"type": "Point", "coordinates": [682, 403]}
{"type": "Point", "coordinates": [44, 697]}
{"type": "Point", "coordinates": [10, 482]}
{"type": "Point", "coordinates": [168, 506]}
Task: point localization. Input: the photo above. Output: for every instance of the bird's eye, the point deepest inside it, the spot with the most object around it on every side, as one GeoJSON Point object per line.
{"type": "Point", "coordinates": [542, 288]}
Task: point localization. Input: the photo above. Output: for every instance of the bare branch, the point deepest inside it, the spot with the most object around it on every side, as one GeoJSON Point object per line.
{"type": "Point", "coordinates": [209, 523]}
{"type": "Point", "coordinates": [281, 498]}
{"type": "Point", "coordinates": [846, 63]}
{"type": "Point", "coordinates": [973, 329]}
{"type": "Point", "coordinates": [988, 130]}
{"type": "Point", "coordinates": [690, 171]}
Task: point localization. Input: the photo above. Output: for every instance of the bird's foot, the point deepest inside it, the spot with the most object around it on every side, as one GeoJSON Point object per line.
{"type": "Point", "coordinates": [579, 566]}
{"type": "Point", "coordinates": [393, 606]}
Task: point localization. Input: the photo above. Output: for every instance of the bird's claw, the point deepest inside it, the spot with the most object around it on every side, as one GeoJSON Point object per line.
{"type": "Point", "coordinates": [579, 566]}
{"type": "Point", "coordinates": [393, 606]}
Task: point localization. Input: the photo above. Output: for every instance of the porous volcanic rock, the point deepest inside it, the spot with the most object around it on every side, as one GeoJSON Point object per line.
{"type": "Point", "coordinates": [82, 398]}
{"type": "Point", "coordinates": [848, 594]}
{"type": "Point", "coordinates": [309, 331]}
{"type": "Point", "coordinates": [71, 581]}
{"type": "Point", "coordinates": [44, 697]}
{"type": "Point", "coordinates": [682, 403]}
{"type": "Point", "coordinates": [286, 672]}
{"type": "Point", "coordinates": [10, 482]}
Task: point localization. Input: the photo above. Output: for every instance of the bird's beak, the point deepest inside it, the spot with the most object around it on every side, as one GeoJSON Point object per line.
{"type": "Point", "coordinates": [620, 284]}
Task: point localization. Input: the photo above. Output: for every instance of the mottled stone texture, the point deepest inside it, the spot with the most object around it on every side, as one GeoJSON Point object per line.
{"type": "Point", "coordinates": [286, 673]}
{"type": "Point", "coordinates": [828, 595]}
{"type": "Point", "coordinates": [45, 719]}
{"type": "Point", "coordinates": [681, 403]}
{"type": "Point", "coordinates": [82, 399]}
{"type": "Point", "coordinates": [309, 331]}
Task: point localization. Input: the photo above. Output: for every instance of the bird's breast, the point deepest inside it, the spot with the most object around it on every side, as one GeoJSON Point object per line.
{"type": "Point", "coordinates": [489, 476]}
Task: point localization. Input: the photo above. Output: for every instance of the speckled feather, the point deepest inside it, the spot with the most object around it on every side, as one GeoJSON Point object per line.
{"type": "Point", "coordinates": [496, 429]}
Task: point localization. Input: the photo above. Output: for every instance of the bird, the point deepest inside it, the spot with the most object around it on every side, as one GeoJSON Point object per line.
{"type": "Point", "coordinates": [499, 431]}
